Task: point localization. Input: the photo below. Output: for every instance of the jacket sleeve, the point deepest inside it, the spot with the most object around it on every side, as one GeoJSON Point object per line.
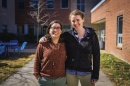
{"type": "Point", "coordinates": [96, 57]}
{"type": "Point", "coordinates": [37, 60]}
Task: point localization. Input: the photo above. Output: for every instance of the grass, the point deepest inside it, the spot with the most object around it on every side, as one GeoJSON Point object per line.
{"type": "Point", "coordinates": [9, 65]}
{"type": "Point", "coordinates": [117, 70]}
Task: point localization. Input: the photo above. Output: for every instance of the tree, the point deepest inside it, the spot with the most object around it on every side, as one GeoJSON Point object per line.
{"type": "Point", "coordinates": [38, 16]}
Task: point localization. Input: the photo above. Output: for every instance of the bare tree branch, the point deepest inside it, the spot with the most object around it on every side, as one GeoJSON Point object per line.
{"type": "Point", "coordinates": [37, 14]}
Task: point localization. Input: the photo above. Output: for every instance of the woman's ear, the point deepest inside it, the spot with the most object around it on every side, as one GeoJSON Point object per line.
{"type": "Point", "coordinates": [83, 20]}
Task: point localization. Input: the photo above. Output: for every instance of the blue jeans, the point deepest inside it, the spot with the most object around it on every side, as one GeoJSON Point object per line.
{"type": "Point", "coordinates": [44, 81]}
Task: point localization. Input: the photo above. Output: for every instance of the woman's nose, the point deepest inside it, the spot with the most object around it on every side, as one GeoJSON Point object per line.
{"type": "Point", "coordinates": [75, 22]}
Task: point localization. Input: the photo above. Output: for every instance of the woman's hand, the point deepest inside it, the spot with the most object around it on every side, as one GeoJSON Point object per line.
{"type": "Point", "coordinates": [37, 76]}
{"type": "Point", "coordinates": [94, 81]}
{"type": "Point", "coordinates": [43, 39]}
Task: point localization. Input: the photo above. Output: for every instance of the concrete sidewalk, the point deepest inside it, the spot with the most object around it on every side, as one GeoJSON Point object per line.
{"type": "Point", "coordinates": [25, 77]}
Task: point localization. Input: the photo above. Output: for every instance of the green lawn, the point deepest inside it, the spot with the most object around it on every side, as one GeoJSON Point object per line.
{"type": "Point", "coordinates": [117, 70]}
{"type": "Point", "coordinates": [9, 65]}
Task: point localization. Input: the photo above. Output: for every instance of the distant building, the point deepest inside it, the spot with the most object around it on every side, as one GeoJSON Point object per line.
{"type": "Point", "coordinates": [112, 20]}
{"type": "Point", "coordinates": [19, 22]}
{"type": "Point", "coordinates": [7, 16]}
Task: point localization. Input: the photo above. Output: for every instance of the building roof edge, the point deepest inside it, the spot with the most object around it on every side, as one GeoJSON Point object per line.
{"type": "Point", "coordinates": [100, 3]}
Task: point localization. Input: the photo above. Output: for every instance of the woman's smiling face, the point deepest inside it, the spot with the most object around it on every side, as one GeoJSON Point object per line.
{"type": "Point", "coordinates": [76, 21]}
{"type": "Point", "coordinates": [55, 30]}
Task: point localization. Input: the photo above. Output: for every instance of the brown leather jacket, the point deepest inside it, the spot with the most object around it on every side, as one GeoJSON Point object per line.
{"type": "Point", "coordinates": [50, 60]}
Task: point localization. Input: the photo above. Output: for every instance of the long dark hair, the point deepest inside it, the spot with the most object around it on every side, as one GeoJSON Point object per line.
{"type": "Point", "coordinates": [48, 29]}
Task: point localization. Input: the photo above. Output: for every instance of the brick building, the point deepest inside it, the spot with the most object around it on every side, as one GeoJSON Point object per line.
{"type": "Point", "coordinates": [22, 23]}
{"type": "Point", "coordinates": [62, 8]}
{"type": "Point", "coordinates": [111, 18]}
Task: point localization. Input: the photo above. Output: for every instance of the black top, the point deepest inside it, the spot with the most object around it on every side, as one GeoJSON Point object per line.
{"type": "Point", "coordinates": [80, 55]}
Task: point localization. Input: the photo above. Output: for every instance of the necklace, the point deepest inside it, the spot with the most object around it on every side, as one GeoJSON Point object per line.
{"type": "Point", "coordinates": [56, 46]}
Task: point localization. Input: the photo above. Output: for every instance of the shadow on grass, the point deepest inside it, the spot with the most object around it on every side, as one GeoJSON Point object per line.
{"type": "Point", "coordinates": [10, 64]}
{"type": "Point", "coordinates": [13, 56]}
{"type": "Point", "coordinates": [117, 70]}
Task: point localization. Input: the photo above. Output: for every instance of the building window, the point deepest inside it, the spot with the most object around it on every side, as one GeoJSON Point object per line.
{"type": "Point", "coordinates": [34, 4]}
{"type": "Point", "coordinates": [31, 29]}
{"type": "Point", "coordinates": [20, 30]}
{"type": "Point", "coordinates": [119, 30]}
{"type": "Point", "coordinates": [66, 27]}
{"type": "Point", "coordinates": [50, 4]}
{"type": "Point", "coordinates": [64, 4]}
{"type": "Point", "coordinates": [4, 3]}
{"type": "Point", "coordinates": [4, 28]}
{"type": "Point", "coordinates": [81, 5]}
{"type": "Point", "coordinates": [21, 4]}
{"type": "Point", "coordinates": [43, 29]}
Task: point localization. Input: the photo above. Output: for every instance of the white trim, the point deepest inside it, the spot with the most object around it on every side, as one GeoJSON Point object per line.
{"type": "Point", "coordinates": [119, 40]}
{"type": "Point", "coordinates": [119, 34]}
{"type": "Point", "coordinates": [101, 2]}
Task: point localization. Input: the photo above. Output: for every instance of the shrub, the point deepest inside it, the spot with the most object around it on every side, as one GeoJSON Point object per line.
{"type": "Point", "coordinates": [30, 38]}
{"type": "Point", "coordinates": [7, 36]}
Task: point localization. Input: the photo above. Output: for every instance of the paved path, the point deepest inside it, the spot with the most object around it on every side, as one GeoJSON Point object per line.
{"type": "Point", "coordinates": [24, 77]}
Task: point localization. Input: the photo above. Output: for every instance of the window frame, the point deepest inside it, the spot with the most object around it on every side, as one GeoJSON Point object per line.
{"type": "Point", "coordinates": [36, 5]}
{"type": "Point", "coordinates": [4, 3]}
{"type": "Point", "coordinates": [31, 29]}
{"type": "Point", "coordinates": [4, 28]}
{"type": "Point", "coordinates": [119, 30]}
{"type": "Point", "coordinates": [81, 4]}
{"type": "Point", "coordinates": [23, 4]}
{"type": "Point", "coordinates": [47, 4]}
{"type": "Point", "coordinates": [66, 27]}
{"type": "Point", "coordinates": [20, 32]}
{"type": "Point", "coordinates": [61, 6]}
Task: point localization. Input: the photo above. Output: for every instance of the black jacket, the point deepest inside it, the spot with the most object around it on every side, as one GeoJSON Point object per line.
{"type": "Point", "coordinates": [81, 55]}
